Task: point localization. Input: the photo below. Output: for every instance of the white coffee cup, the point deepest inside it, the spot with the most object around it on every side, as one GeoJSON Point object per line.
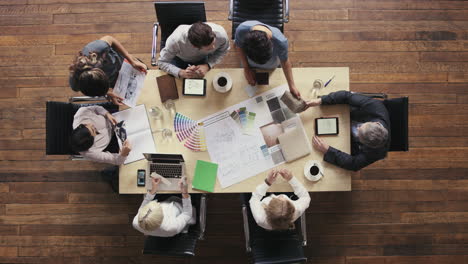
{"type": "Point", "coordinates": [222, 82]}
{"type": "Point", "coordinates": [313, 170]}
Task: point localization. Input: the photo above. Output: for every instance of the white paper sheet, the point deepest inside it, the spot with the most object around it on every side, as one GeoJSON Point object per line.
{"type": "Point", "coordinates": [241, 156]}
{"type": "Point", "coordinates": [129, 84]}
{"type": "Point", "coordinates": [138, 132]}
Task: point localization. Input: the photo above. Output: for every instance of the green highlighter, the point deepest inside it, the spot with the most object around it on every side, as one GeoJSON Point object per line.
{"type": "Point", "coordinates": [204, 177]}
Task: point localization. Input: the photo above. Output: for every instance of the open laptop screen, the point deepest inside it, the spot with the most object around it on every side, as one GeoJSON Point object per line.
{"type": "Point", "coordinates": [165, 158]}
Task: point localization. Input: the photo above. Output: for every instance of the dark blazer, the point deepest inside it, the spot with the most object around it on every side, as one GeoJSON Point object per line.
{"type": "Point", "coordinates": [363, 109]}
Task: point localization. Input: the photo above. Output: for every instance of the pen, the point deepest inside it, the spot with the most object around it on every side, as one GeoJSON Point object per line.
{"type": "Point", "coordinates": [329, 81]}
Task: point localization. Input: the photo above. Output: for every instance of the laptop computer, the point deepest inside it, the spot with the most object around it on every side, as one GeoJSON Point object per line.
{"type": "Point", "coordinates": [169, 166]}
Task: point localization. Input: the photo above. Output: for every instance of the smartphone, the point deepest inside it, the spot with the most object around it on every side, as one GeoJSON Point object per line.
{"type": "Point", "coordinates": [141, 177]}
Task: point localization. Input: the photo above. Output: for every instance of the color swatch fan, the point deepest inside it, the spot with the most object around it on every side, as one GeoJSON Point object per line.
{"type": "Point", "coordinates": [190, 131]}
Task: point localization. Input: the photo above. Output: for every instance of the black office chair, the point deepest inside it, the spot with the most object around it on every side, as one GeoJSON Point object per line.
{"type": "Point", "coordinates": [59, 120]}
{"type": "Point", "coordinates": [271, 12]}
{"type": "Point", "coordinates": [398, 111]}
{"type": "Point", "coordinates": [172, 14]}
{"type": "Point", "coordinates": [182, 244]}
{"type": "Point", "coordinates": [273, 246]}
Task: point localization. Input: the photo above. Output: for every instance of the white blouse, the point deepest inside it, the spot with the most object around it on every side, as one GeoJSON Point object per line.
{"type": "Point", "coordinates": [96, 115]}
{"type": "Point", "coordinates": [176, 217]}
{"type": "Point", "coordinates": [258, 211]}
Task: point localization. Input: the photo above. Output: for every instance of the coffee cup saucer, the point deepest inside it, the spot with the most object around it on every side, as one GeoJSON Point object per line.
{"type": "Point", "coordinates": [222, 89]}
{"type": "Point", "coordinates": [307, 173]}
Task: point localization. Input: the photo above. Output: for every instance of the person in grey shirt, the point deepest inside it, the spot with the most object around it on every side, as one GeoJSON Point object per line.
{"type": "Point", "coordinates": [264, 47]}
{"type": "Point", "coordinates": [192, 50]}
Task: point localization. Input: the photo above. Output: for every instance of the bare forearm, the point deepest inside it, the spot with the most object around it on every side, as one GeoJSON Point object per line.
{"type": "Point", "coordinates": [287, 70]}
{"type": "Point", "coordinates": [117, 46]}
{"type": "Point", "coordinates": [243, 58]}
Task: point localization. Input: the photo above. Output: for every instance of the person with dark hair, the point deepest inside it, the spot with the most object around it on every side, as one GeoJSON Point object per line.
{"type": "Point", "coordinates": [192, 50]}
{"type": "Point", "coordinates": [92, 133]}
{"type": "Point", "coordinates": [278, 212]}
{"type": "Point", "coordinates": [370, 131]}
{"type": "Point", "coordinates": [95, 69]}
{"type": "Point", "coordinates": [263, 47]}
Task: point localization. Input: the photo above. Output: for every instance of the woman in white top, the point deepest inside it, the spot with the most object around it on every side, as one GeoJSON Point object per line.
{"type": "Point", "coordinates": [167, 218]}
{"type": "Point", "coordinates": [92, 133]}
{"type": "Point", "coordinates": [278, 212]}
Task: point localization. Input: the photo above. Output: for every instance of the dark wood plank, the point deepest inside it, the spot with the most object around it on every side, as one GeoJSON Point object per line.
{"type": "Point", "coordinates": [31, 229]}
{"type": "Point", "coordinates": [40, 260]}
{"type": "Point", "coordinates": [408, 15]}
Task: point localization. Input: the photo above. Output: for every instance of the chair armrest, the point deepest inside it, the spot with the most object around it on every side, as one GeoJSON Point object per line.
{"type": "Point", "coordinates": [154, 45]}
{"type": "Point", "coordinates": [304, 229]}
{"type": "Point", "coordinates": [231, 9]}
{"type": "Point", "coordinates": [77, 157]}
{"type": "Point", "coordinates": [286, 11]}
{"type": "Point", "coordinates": [375, 95]}
{"type": "Point", "coordinates": [246, 228]}
{"type": "Point", "coordinates": [86, 99]}
{"type": "Point", "coordinates": [202, 216]}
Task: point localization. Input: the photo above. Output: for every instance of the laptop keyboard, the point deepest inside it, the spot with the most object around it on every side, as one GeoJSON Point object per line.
{"type": "Point", "coordinates": [167, 171]}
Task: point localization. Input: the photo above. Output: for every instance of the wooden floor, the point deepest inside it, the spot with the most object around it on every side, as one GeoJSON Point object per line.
{"type": "Point", "coordinates": [410, 208]}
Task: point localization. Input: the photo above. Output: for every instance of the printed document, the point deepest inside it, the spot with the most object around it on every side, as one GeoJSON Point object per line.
{"type": "Point", "coordinates": [129, 84]}
{"type": "Point", "coordinates": [241, 153]}
{"type": "Point", "coordinates": [138, 132]}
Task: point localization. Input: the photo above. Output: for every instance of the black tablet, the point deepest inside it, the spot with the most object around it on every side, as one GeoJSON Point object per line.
{"type": "Point", "coordinates": [262, 78]}
{"type": "Point", "coordinates": [195, 87]}
{"type": "Point", "coordinates": [326, 126]}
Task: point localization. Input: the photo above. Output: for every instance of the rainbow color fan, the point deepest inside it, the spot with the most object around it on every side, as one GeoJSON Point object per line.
{"type": "Point", "coordinates": [190, 131]}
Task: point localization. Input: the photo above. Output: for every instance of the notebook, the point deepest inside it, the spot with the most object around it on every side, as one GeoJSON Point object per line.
{"type": "Point", "coordinates": [167, 87]}
{"type": "Point", "coordinates": [138, 132]}
{"type": "Point", "coordinates": [294, 141]}
{"type": "Point", "coordinates": [204, 177]}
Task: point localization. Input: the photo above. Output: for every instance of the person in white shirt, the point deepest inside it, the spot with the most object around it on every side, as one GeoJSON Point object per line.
{"type": "Point", "coordinates": [92, 133]}
{"type": "Point", "coordinates": [278, 212]}
{"type": "Point", "coordinates": [167, 218]}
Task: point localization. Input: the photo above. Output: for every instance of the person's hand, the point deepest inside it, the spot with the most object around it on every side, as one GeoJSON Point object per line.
{"type": "Point", "coordinates": [286, 174]}
{"type": "Point", "coordinates": [154, 186]}
{"type": "Point", "coordinates": [183, 185]}
{"type": "Point", "coordinates": [115, 99]}
{"type": "Point", "coordinates": [295, 92]}
{"type": "Point", "coordinates": [320, 145]}
{"type": "Point", "coordinates": [201, 70]}
{"type": "Point", "coordinates": [249, 76]}
{"type": "Point", "coordinates": [314, 102]}
{"type": "Point", "coordinates": [139, 65]}
{"type": "Point", "coordinates": [111, 118]}
{"type": "Point", "coordinates": [126, 148]}
{"type": "Point", "coordinates": [271, 178]}
{"type": "Point", "coordinates": [188, 73]}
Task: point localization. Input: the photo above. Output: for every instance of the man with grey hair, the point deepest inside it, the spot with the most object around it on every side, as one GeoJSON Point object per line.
{"type": "Point", "coordinates": [370, 131]}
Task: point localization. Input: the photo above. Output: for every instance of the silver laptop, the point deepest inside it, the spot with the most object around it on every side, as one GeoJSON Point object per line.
{"type": "Point", "coordinates": [169, 166]}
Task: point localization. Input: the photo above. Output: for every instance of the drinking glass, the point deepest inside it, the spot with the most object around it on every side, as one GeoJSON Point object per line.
{"type": "Point", "coordinates": [155, 112]}
{"type": "Point", "coordinates": [170, 106]}
{"type": "Point", "coordinates": [166, 133]}
{"type": "Point", "coordinates": [316, 86]}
